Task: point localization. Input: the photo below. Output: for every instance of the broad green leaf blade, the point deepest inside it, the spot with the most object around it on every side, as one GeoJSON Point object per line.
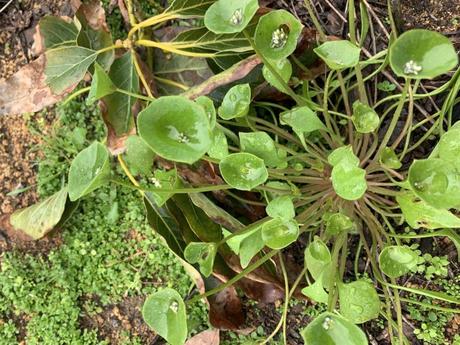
{"type": "Point", "coordinates": [348, 181]}
{"type": "Point", "coordinates": [189, 8]}
{"type": "Point", "coordinates": [89, 170]}
{"type": "Point", "coordinates": [284, 69]}
{"type": "Point", "coordinates": [202, 254]}
{"type": "Point", "coordinates": [276, 34]}
{"type": "Point", "coordinates": [176, 129]}
{"type": "Point", "coordinates": [39, 219]}
{"type": "Point", "coordinates": [389, 159]}
{"type": "Point", "coordinates": [210, 110]}
{"type": "Point", "coordinates": [57, 32]}
{"type": "Point", "coordinates": [66, 66]}
{"type": "Point", "coordinates": [317, 258]}
{"type": "Point", "coordinates": [338, 54]}
{"type": "Point", "coordinates": [243, 171]}
{"type": "Point", "coordinates": [449, 147]}
{"type": "Point", "coordinates": [302, 120]}
{"type": "Point", "coordinates": [279, 233]}
{"type": "Point", "coordinates": [219, 146]}
{"type": "Point", "coordinates": [166, 180]}
{"type": "Point", "coordinates": [281, 207]}
{"type": "Point", "coordinates": [332, 329]}
{"type": "Point", "coordinates": [364, 118]}
{"type": "Point", "coordinates": [419, 214]}
{"type": "Point", "coordinates": [119, 106]}
{"type": "Point", "coordinates": [422, 54]}
{"type": "Point", "coordinates": [164, 312]}
{"type": "Point", "coordinates": [251, 244]}
{"type": "Point", "coordinates": [139, 156]}
{"type": "Point", "coordinates": [359, 301]}
{"type": "Point", "coordinates": [101, 85]}
{"type": "Point", "coordinates": [337, 223]}
{"type": "Point", "coordinates": [316, 292]}
{"type": "Point", "coordinates": [261, 145]}
{"type": "Point", "coordinates": [436, 181]}
{"type": "Point", "coordinates": [396, 261]}
{"type": "Point", "coordinates": [236, 102]}
{"type": "Point", "coordinates": [343, 155]}
{"type": "Point", "coordinates": [226, 17]}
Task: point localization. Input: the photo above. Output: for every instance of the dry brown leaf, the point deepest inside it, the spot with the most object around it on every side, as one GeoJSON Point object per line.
{"type": "Point", "coordinates": [226, 310]}
{"type": "Point", "coordinates": [94, 14]}
{"type": "Point", "coordinates": [208, 337]}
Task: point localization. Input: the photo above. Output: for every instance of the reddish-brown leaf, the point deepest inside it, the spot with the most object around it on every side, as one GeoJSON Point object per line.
{"type": "Point", "coordinates": [208, 337]}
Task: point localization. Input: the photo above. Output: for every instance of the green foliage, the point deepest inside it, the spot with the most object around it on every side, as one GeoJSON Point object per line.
{"type": "Point", "coordinates": [225, 17]}
{"type": "Point", "coordinates": [338, 54]}
{"type": "Point", "coordinates": [236, 102]}
{"type": "Point", "coordinates": [397, 260]}
{"type": "Point", "coordinates": [243, 171]}
{"type": "Point", "coordinates": [359, 301]}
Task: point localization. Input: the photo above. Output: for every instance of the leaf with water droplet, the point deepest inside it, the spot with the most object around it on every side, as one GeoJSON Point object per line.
{"type": "Point", "coordinates": [302, 120]}
{"type": "Point", "coordinates": [226, 17]}
{"type": "Point", "coordinates": [164, 312]}
{"type": "Point", "coordinates": [261, 145]}
{"type": "Point", "coordinates": [396, 261]}
{"type": "Point", "coordinates": [203, 254]}
{"type": "Point", "coordinates": [243, 171]}
{"type": "Point", "coordinates": [219, 147]}
{"type": "Point", "coordinates": [281, 207]}
{"type": "Point", "coordinates": [338, 54]}
{"type": "Point", "coordinates": [348, 181]}
{"type": "Point", "coordinates": [139, 156]}
{"type": "Point", "coordinates": [389, 159]}
{"type": "Point", "coordinates": [449, 147]}
{"type": "Point", "coordinates": [210, 110]}
{"type": "Point", "coordinates": [176, 129]}
{"type": "Point", "coordinates": [236, 102]}
{"type": "Point", "coordinates": [337, 223]}
{"type": "Point", "coordinates": [316, 291]}
{"type": "Point", "coordinates": [364, 118]}
{"type": "Point", "coordinates": [279, 233]}
{"type": "Point", "coordinates": [317, 258]}
{"type": "Point", "coordinates": [284, 69]}
{"type": "Point", "coordinates": [359, 301]}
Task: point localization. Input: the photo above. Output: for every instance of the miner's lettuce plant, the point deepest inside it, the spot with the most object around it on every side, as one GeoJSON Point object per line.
{"type": "Point", "coordinates": [329, 163]}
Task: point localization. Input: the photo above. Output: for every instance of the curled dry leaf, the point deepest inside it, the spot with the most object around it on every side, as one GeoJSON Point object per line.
{"type": "Point", "coordinates": [208, 337]}
{"type": "Point", "coordinates": [94, 14]}
{"type": "Point", "coordinates": [226, 310]}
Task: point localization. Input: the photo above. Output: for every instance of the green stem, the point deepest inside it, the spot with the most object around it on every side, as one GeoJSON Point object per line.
{"type": "Point", "coordinates": [76, 94]}
{"type": "Point", "coordinates": [135, 95]}
{"type": "Point", "coordinates": [174, 190]}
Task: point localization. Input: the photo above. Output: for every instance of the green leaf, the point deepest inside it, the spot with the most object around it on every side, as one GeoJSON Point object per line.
{"type": "Point", "coordinates": [279, 233]}
{"type": "Point", "coordinates": [251, 244]}
{"type": "Point", "coordinates": [243, 171]}
{"type": "Point", "coordinates": [39, 219]}
{"type": "Point", "coordinates": [332, 329]}
{"type": "Point", "coordinates": [337, 223]}
{"type": "Point", "coordinates": [203, 254]}
{"type": "Point", "coordinates": [389, 159]}
{"type": "Point", "coordinates": [139, 156]}
{"type": "Point", "coordinates": [338, 54]}
{"type": "Point", "coordinates": [317, 258]}
{"type": "Point", "coordinates": [166, 180]}
{"type": "Point", "coordinates": [225, 17]}
{"type": "Point", "coordinates": [316, 292]}
{"type": "Point", "coordinates": [66, 66]}
{"type": "Point", "coordinates": [236, 102]}
{"type": "Point", "coordinates": [57, 32]}
{"type": "Point", "coordinates": [436, 181]}
{"type": "Point", "coordinates": [210, 110]}
{"type": "Point", "coordinates": [189, 8]}
{"type": "Point", "coordinates": [219, 146]}
{"type": "Point", "coordinates": [164, 312]}
{"type": "Point", "coordinates": [302, 120]}
{"type": "Point", "coordinates": [261, 145]}
{"type": "Point", "coordinates": [119, 106]}
{"type": "Point", "coordinates": [342, 155]}
{"type": "Point", "coordinates": [359, 301]}
{"type": "Point", "coordinates": [422, 54]}
{"type": "Point", "coordinates": [276, 34]}
{"type": "Point", "coordinates": [284, 69]}
{"type": "Point", "coordinates": [281, 207]}
{"type": "Point", "coordinates": [364, 118]}
{"type": "Point", "coordinates": [348, 181]}
{"type": "Point", "coordinates": [449, 147]}
{"type": "Point", "coordinates": [419, 214]}
{"type": "Point", "coordinates": [176, 129]}
{"type": "Point", "coordinates": [89, 170]}
{"type": "Point", "coordinates": [396, 261]}
{"type": "Point", "coordinates": [101, 85]}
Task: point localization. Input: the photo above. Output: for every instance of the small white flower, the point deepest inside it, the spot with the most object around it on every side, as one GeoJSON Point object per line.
{"type": "Point", "coordinates": [182, 138]}
{"type": "Point", "coordinates": [237, 17]}
{"type": "Point", "coordinates": [279, 38]}
{"type": "Point", "coordinates": [327, 323]}
{"type": "Point", "coordinates": [411, 67]}
{"type": "Point", "coordinates": [156, 182]}
{"type": "Point", "coordinates": [174, 306]}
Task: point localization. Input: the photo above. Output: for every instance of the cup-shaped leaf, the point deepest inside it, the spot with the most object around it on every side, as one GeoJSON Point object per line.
{"type": "Point", "coordinates": [302, 120]}
{"type": "Point", "coordinates": [396, 261]}
{"type": "Point", "coordinates": [284, 69]}
{"type": "Point", "coordinates": [389, 159]}
{"type": "Point", "coordinates": [139, 156]}
{"type": "Point", "coordinates": [203, 254]}
{"type": "Point", "coordinates": [276, 34]}
{"type": "Point", "coordinates": [449, 147]}
{"type": "Point", "coordinates": [210, 110]}
{"type": "Point", "coordinates": [236, 102]}
{"type": "Point", "coordinates": [165, 180]}
{"type": "Point", "coordinates": [89, 170]}
{"type": "Point", "coordinates": [338, 54]}
{"type": "Point", "coordinates": [422, 54]}
{"type": "Point", "coordinates": [419, 214]}
{"type": "Point", "coordinates": [226, 17]}
{"type": "Point", "coordinates": [101, 85]}
{"type": "Point", "coordinates": [342, 155]}
{"type": "Point", "coordinates": [359, 301]}
{"type": "Point", "coordinates": [261, 145]}
{"type": "Point", "coordinates": [281, 207]}
{"type": "Point", "coordinates": [219, 146]}
{"type": "Point", "coordinates": [348, 181]}
{"type": "Point", "coordinates": [243, 171]}
{"type": "Point", "coordinates": [176, 129]}
{"type": "Point", "coordinates": [337, 223]}
{"type": "Point", "coordinates": [164, 312]}
{"type": "Point", "coordinates": [364, 118]}
{"type": "Point", "coordinates": [436, 181]}
{"type": "Point", "coordinates": [317, 258]}
{"type": "Point", "coordinates": [279, 233]}
{"type": "Point", "coordinates": [332, 329]}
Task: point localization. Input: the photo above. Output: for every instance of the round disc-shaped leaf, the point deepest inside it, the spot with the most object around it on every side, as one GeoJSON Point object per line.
{"type": "Point", "coordinates": [359, 301]}
{"type": "Point", "coordinates": [243, 171]}
{"type": "Point", "coordinates": [449, 147]}
{"type": "Point", "coordinates": [89, 170]}
{"type": "Point", "coordinates": [364, 118]}
{"type": "Point", "coordinates": [337, 223]}
{"type": "Point", "coordinates": [176, 129]}
{"type": "Point", "coordinates": [164, 312]}
{"type": "Point", "coordinates": [284, 69]}
{"type": "Point", "coordinates": [278, 233]}
{"type": "Point", "coordinates": [422, 54]}
{"type": "Point", "coordinates": [276, 34]}
{"type": "Point", "coordinates": [348, 181]}
{"type": "Point", "coordinates": [317, 257]}
{"type": "Point", "coordinates": [236, 102]}
{"type": "Point", "coordinates": [210, 110]}
{"type": "Point", "coordinates": [202, 254]}
{"type": "Point", "coordinates": [389, 159]}
{"type": "Point", "coordinates": [436, 181]}
{"type": "Point", "coordinates": [342, 155]}
{"type": "Point", "coordinates": [261, 145]}
{"type": "Point", "coordinates": [332, 329]}
{"type": "Point", "coordinates": [396, 261]}
{"type": "Point", "coordinates": [338, 54]}
{"type": "Point", "coordinates": [226, 17]}
{"type": "Point", "coordinates": [281, 207]}
{"type": "Point", "coordinates": [139, 156]}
